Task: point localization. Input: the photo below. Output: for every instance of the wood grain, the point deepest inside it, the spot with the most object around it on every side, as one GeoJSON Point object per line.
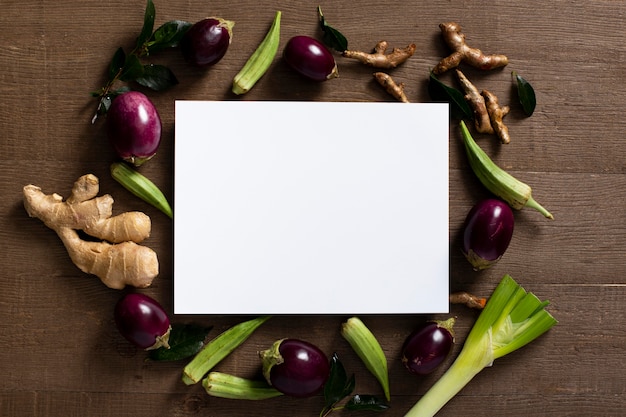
{"type": "Point", "coordinates": [61, 354]}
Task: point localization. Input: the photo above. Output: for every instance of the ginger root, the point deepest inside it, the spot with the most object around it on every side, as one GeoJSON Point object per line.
{"type": "Point", "coordinates": [117, 260]}
{"type": "Point", "coordinates": [378, 58]}
{"type": "Point", "coordinates": [455, 40]}
{"type": "Point", "coordinates": [488, 114]}
{"type": "Point", "coordinates": [496, 114]}
{"type": "Point", "coordinates": [395, 89]}
{"type": "Point", "coordinates": [469, 300]}
{"type": "Point", "coordinates": [482, 122]}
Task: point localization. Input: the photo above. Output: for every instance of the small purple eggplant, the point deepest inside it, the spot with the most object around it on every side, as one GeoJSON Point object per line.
{"type": "Point", "coordinates": [428, 346]}
{"type": "Point", "coordinates": [142, 321]}
{"type": "Point", "coordinates": [487, 232]}
{"type": "Point", "coordinates": [134, 127]}
{"type": "Point", "coordinates": [295, 367]}
{"type": "Point", "coordinates": [310, 58]}
{"type": "Point", "coordinates": [207, 41]}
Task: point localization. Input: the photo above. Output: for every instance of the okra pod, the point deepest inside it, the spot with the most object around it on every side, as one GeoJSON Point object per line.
{"type": "Point", "coordinates": [219, 384]}
{"type": "Point", "coordinates": [366, 346]}
{"type": "Point", "coordinates": [516, 193]}
{"type": "Point", "coordinates": [218, 348]}
{"type": "Point", "coordinates": [140, 186]}
{"type": "Point", "coordinates": [260, 61]}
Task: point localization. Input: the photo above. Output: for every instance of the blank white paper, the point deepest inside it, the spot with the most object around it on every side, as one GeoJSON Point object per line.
{"type": "Point", "coordinates": [311, 208]}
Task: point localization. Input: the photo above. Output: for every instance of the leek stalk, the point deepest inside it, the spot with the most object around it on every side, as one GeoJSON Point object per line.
{"type": "Point", "coordinates": [511, 319]}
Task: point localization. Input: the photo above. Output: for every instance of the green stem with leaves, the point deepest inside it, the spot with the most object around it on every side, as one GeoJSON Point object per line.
{"type": "Point", "coordinates": [128, 67]}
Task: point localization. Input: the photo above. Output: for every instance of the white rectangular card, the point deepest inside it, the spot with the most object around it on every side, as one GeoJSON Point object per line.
{"type": "Point", "coordinates": [311, 208]}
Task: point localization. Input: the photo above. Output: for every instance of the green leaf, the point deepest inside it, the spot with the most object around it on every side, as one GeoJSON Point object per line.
{"type": "Point", "coordinates": [185, 341]}
{"type": "Point", "coordinates": [117, 63]}
{"type": "Point", "coordinates": [105, 100]}
{"type": "Point", "coordinates": [366, 402]}
{"type": "Point", "coordinates": [148, 25]}
{"type": "Point", "coordinates": [338, 385]}
{"type": "Point", "coordinates": [157, 77]}
{"type": "Point", "coordinates": [168, 35]}
{"type": "Point", "coordinates": [331, 36]}
{"type": "Point", "coordinates": [133, 68]}
{"type": "Point", "coordinates": [103, 106]}
{"type": "Point", "coordinates": [526, 94]}
{"type": "Point", "coordinates": [119, 91]}
{"type": "Point", "coordinates": [439, 91]}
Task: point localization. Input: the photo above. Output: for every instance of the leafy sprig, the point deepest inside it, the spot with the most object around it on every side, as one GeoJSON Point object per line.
{"type": "Point", "coordinates": [339, 386]}
{"type": "Point", "coordinates": [128, 67]}
{"type": "Point", "coordinates": [331, 36]}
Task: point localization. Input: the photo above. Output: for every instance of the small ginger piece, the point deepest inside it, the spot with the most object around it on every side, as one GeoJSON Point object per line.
{"type": "Point", "coordinates": [395, 89]}
{"type": "Point", "coordinates": [461, 52]}
{"type": "Point", "coordinates": [496, 116]}
{"type": "Point", "coordinates": [469, 300]}
{"type": "Point", "coordinates": [378, 58]}
{"type": "Point", "coordinates": [476, 101]}
{"type": "Point", "coordinates": [117, 259]}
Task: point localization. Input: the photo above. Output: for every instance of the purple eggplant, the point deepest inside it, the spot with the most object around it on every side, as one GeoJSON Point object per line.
{"type": "Point", "coordinates": [310, 58]}
{"type": "Point", "coordinates": [295, 367]}
{"type": "Point", "coordinates": [142, 321]}
{"type": "Point", "coordinates": [207, 41]}
{"type": "Point", "coordinates": [487, 232]}
{"type": "Point", "coordinates": [134, 127]}
{"type": "Point", "coordinates": [428, 346]}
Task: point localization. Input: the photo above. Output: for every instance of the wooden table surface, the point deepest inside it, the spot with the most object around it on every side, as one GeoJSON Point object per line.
{"type": "Point", "coordinates": [61, 354]}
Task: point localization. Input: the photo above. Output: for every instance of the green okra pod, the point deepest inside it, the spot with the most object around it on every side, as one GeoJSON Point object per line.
{"type": "Point", "coordinates": [516, 193]}
{"type": "Point", "coordinates": [140, 186]}
{"type": "Point", "coordinates": [220, 347]}
{"type": "Point", "coordinates": [366, 346]}
{"type": "Point", "coordinates": [260, 61]}
{"type": "Point", "coordinates": [219, 384]}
